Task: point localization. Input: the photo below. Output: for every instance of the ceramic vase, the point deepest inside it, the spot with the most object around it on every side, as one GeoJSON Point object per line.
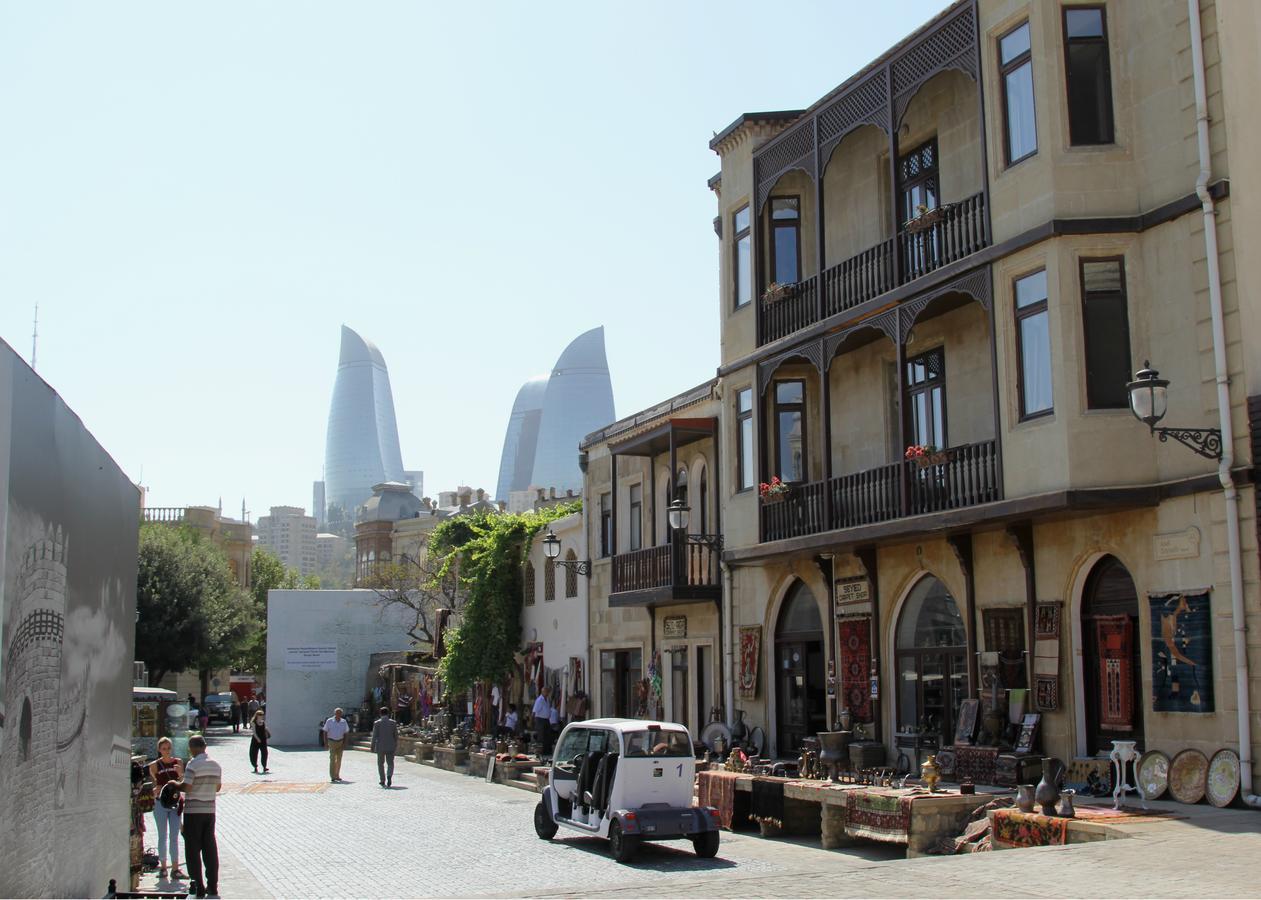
{"type": "Point", "coordinates": [1047, 794]}
{"type": "Point", "coordinates": [1066, 804]}
{"type": "Point", "coordinates": [833, 752]}
{"type": "Point", "coordinates": [1024, 798]}
{"type": "Point", "coordinates": [930, 774]}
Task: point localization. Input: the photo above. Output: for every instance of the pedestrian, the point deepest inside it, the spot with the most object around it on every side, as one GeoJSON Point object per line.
{"type": "Point", "coordinates": [168, 806]}
{"type": "Point", "coordinates": [404, 706]}
{"type": "Point", "coordinates": [234, 713]}
{"type": "Point", "coordinates": [202, 780]}
{"type": "Point", "coordinates": [192, 702]}
{"type": "Point", "coordinates": [335, 728]}
{"type": "Point", "coordinates": [203, 716]}
{"type": "Point", "coordinates": [259, 739]}
{"type": "Point", "coordinates": [553, 720]}
{"type": "Point", "coordinates": [509, 727]}
{"type": "Point", "coordinates": [541, 711]}
{"type": "Point", "coordinates": [384, 743]}
{"type": "Point", "coordinates": [251, 708]}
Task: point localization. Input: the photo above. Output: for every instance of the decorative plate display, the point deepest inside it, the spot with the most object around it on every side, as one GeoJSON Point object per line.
{"type": "Point", "coordinates": [712, 732]}
{"type": "Point", "coordinates": [1223, 778]}
{"type": "Point", "coordinates": [1152, 773]}
{"type": "Point", "coordinates": [757, 739]}
{"type": "Point", "coordinates": [1188, 775]}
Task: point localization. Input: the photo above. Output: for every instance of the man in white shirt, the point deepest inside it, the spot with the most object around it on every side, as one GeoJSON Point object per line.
{"type": "Point", "coordinates": [541, 711]}
{"type": "Point", "coordinates": [335, 729]}
{"type": "Point", "coordinates": [202, 780]}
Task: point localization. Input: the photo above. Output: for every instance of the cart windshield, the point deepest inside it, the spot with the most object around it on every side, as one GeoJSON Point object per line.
{"type": "Point", "coordinates": [658, 742]}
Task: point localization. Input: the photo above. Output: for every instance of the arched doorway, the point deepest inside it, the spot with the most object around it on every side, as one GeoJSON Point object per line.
{"type": "Point", "coordinates": [800, 691]}
{"type": "Point", "coordinates": [1110, 657]}
{"type": "Point", "coordinates": [932, 662]}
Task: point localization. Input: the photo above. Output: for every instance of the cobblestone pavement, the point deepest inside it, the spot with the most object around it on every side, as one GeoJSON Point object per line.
{"type": "Point", "coordinates": [292, 834]}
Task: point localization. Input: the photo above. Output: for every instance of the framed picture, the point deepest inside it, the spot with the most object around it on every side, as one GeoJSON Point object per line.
{"type": "Point", "coordinates": [966, 728]}
{"type": "Point", "coordinates": [1028, 732]}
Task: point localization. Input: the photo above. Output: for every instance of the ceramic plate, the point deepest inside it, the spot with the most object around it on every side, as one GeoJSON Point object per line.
{"type": "Point", "coordinates": [1223, 778]}
{"type": "Point", "coordinates": [757, 737]}
{"type": "Point", "coordinates": [712, 732]}
{"type": "Point", "coordinates": [1153, 774]}
{"type": "Point", "coordinates": [1188, 773]}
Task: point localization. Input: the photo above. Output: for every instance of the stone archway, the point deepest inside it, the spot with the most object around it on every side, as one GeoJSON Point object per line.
{"type": "Point", "coordinates": [799, 664]}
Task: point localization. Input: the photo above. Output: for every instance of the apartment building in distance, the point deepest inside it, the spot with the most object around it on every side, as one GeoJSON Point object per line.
{"type": "Point", "coordinates": [937, 285]}
{"type": "Point", "coordinates": [290, 534]}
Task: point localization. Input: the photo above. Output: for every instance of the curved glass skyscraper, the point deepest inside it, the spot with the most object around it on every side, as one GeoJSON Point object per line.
{"type": "Point", "coordinates": [361, 448]}
{"type": "Point", "coordinates": [552, 414]}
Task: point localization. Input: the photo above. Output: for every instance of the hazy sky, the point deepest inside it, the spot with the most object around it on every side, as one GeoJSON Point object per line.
{"type": "Point", "coordinates": [199, 195]}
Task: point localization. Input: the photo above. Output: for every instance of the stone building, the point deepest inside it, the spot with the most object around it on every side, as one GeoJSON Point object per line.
{"type": "Point", "coordinates": [963, 253]}
{"type": "Point", "coordinates": [290, 534]}
{"type": "Point", "coordinates": [655, 592]}
{"type": "Point", "coordinates": [234, 537]}
{"type": "Point", "coordinates": [554, 615]}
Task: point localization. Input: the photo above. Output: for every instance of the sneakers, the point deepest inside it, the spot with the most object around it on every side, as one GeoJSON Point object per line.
{"type": "Point", "coordinates": [266, 771]}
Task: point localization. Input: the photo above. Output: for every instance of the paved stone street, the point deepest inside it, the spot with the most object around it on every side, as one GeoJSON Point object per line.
{"type": "Point", "coordinates": [293, 834]}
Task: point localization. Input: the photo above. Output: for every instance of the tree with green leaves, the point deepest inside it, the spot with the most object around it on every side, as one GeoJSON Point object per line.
{"type": "Point", "coordinates": [191, 615]}
{"type": "Point", "coordinates": [486, 554]}
{"type": "Point", "coordinates": [267, 573]}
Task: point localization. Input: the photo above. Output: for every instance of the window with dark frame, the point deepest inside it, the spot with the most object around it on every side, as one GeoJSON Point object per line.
{"type": "Point", "coordinates": [606, 525]}
{"type": "Point", "coordinates": [1106, 328]}
{"type": "Point", "coordinates": [1088, 76]}
{"type": "Point", "coordinates": [1020, 132]}
{"type": "Point", "coordinates": [636, 516]}
{"type": "Point", "coordinates": [1033, 345]}
{"type": "Point", "coordinates": [549, 580]}
{"type": "Point", "coordinates": [742, 258]}
{"type": "Point", "coordinates": [790, 430]}
{"type": "Point", "coordinates": [917, 179]}
{"type": "Point", "coordinates": [571, 575]}
{"type": "Point", "coordinates": [785, 242]}
{"type": "Point", "coordinates": [527, 583]}
{"type": "Point", "coordinates": [704, 502]}
{"type": "Point", "coordinates": [745, 477]}
{"type": "Point", "coordinates": [926, 398]}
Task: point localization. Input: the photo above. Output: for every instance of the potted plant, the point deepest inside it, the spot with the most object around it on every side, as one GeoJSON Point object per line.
{"type": "Point", "coordinates": [926, 218]}
{"type": "Point", "coordinates": [774, 491]}
{"type": "Point", "coordinates": [925, 455]}
{"type": "Point", "coordinates": [775, 291]}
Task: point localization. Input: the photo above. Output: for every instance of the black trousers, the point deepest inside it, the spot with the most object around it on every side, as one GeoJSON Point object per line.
{"type": "Point", "coordinates": [385, 767]}
{"type": "Point", "coordinates": [200, 845]}
{"type": "Point", "coordinates": [257, 748]}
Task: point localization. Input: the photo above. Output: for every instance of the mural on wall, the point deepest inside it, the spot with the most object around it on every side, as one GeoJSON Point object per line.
{"type": "Point", "coordinates": [67, 612]}
{"type": "Point", "coordinates": [1182, 652]}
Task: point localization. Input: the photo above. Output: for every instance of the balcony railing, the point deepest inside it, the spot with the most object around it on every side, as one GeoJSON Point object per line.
{"type": "Point", "coordinates": [957, 232]}
{"type": "Point", "coordinates": [967, 477]}
{"type": "Point", "coordinates": [689, 561]}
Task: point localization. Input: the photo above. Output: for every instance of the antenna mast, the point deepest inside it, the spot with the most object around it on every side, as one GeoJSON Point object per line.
{"type": "Point", "coordinates": [34, 335]}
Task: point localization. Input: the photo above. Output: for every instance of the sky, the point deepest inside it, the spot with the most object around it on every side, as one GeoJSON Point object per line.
{"type": "Point", "coordinates": [198, 196]}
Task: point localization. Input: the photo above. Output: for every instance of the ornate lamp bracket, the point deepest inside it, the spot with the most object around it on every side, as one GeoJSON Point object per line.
{"type": "Point", "coordinates": [580, 566]}
{"type": "Point", "coordinates": [1207, 442]}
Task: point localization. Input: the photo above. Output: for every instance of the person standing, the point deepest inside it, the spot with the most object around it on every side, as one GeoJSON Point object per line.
{"type": "Point", "coordinates": [335, 729]}
{"type": "Point", "coordinates": [202, 780]}
{"type": "Point", "coordinates": [234, 714]}
{"type": "Point", "coordinates": [259, 738]}
{"type": "Point", "coordinates": [541, 711]}
{"type": "Point", "coordinates": [553, 720]}
{"type": "Point", "coordinates": [404, 704]}
{"type": "Point", "coordinates": [384, 743]}
{"type": "Point", "coordinates": [167, 768]}
{"type": "Point", "coordinates": [251, 708]}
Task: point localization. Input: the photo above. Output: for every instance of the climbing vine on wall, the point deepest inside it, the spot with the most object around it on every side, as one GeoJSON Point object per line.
{"type": "Point", "coordinates": [486, 552]}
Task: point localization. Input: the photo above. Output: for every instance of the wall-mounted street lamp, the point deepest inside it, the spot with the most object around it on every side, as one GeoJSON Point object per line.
{"type": "Point", "coordinates": [677, 514]}
{"type": "Point", "coordinates": [1149, 400]}
{"type": "Point", "coordinates": [551, 549]}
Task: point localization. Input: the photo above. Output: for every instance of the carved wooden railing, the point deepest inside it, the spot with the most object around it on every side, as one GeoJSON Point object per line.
{"type": "Point", "coordinates": [968, 475]}
{"type": "Point", "coordinates": [863, 276]}
{"type": "Point", "coordinates": [795, 309]}
{"type": "Point", "coordinates": [690, 560]}
{"type": "Point", "coordinates": [957, 230]}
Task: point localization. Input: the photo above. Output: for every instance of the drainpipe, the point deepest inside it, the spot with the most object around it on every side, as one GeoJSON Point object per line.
{"type": "Point", "coordinates": [1229, 493]}
{"type": "Point", "coordinates": [729, 668]}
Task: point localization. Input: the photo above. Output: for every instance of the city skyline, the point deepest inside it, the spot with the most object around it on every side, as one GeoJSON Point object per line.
{"type": "Point", "coordinates": [194, 240]}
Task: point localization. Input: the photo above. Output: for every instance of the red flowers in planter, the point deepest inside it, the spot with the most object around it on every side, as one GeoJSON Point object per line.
{"type": "Point", "coordinates": [773, 488]}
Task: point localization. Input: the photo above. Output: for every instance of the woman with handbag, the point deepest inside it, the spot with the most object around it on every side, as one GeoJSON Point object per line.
{"type": "Point", "coordinates": [167, 807]}
{"type": "Point", "coordinates": [258, 742]}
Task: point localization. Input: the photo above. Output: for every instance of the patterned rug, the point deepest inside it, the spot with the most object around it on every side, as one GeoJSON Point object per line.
{"type": "Point", "coordinates": [275, 787]}
{"type": "Point", "coordinates": [718, 789]}
{"type": "Point", "coordinates": [1125, 815]}
{"type": "Point", "coordinates": [1013, 828]}
{"type": "Point", "coordinates": [878, 815]}
{"type": "Point", "coordinates": [768, 801]}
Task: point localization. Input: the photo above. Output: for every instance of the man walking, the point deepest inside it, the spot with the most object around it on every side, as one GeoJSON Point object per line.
{"type": "Point", "coordinates": [541, 711]}
{"type": "Point", "coordinates": [202, 780]}
{"type": "Point", "coordinates": [384, 743]}
{"type": "Point", "coordinates": [335, 728]}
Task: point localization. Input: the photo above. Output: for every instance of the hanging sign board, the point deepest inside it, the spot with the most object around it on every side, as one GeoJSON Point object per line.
{"type": "Point", "coordinates": [853, 596]}
{"type": "Point", "coordinates": [674, 627]}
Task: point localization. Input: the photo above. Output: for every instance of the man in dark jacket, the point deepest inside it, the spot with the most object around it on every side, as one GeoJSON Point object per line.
{"type": "Point", "coordinates": [384, 743]}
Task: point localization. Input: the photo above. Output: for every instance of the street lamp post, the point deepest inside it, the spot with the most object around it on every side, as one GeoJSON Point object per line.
{"type": "Point", "coordinates": [551, 549]}
{"type": "Point", "coordinates": [1149, 401]}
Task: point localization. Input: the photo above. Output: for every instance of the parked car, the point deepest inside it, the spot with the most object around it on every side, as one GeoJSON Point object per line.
{"type": "Point", "coordinates": [628, 780]}
{"type": "Point", "coordinates": [219, 707]}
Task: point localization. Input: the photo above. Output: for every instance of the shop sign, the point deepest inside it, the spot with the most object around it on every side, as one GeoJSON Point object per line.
{"type": "Point", "coordinates": [311, 658]}
{"type": "Point", "coordinates": [853, 596]}
{"type": "Point", "coordinates": [1177, 544]}
{"type": "Point", "coordinates": [674, 627]}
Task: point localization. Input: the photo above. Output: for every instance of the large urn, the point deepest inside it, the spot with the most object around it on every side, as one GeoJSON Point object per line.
{"type": "Point", "coordinates": [834, 752]}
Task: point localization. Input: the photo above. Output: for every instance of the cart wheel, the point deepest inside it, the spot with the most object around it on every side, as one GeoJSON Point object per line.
{"type": "Point", "coordinates": [623, 846]}
{"type": "Point", "coordinates": [706, 844]}
{"type": "Point", "coordinates": [544, 827]}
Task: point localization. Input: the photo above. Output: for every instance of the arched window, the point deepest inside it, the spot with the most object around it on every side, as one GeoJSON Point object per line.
{"type": "Point", "coordinates": [932, 662]}
{"type": "Point", "coordinates": [549, 580]}
{"type": "Point", "coordinates": [702, 503]}
{"type": "Point", "coordinates": [24, 731]}
{"type": "Point", "coordinates": [571, 575]}
{"type": "Point", "coordinates": [527, 583]}
{"type": "Point", "coordinates": [1111, 664]}
{"type": "Point", "coordinates": [801, 690]}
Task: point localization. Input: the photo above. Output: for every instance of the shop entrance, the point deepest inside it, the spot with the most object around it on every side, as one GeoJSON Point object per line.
{"type": "Point", "coordinates": [800, 691]}
{"type": "Point", "coordinates": [620, 672]}
{"type": "Point", "coordinates": [1110, 657]}
{"type": "Point", "coordinates": [932, 665]}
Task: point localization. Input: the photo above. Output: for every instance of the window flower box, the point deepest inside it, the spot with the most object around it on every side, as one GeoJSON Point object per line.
{"type": "Point", "coordinates": [773, 491]}
{"type": "Point", "coordinates": [925, 455]}
{"type": "Point", "coordinates": [775, 292]}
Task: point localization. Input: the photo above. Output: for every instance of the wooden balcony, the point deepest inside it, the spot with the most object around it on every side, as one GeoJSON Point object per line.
{"type": "Point", "coordinates": [957, 230]}
{"type": "Point", "coordinates": [682, 571]}
{"type": "Point", "coordinates": [970, 475]}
